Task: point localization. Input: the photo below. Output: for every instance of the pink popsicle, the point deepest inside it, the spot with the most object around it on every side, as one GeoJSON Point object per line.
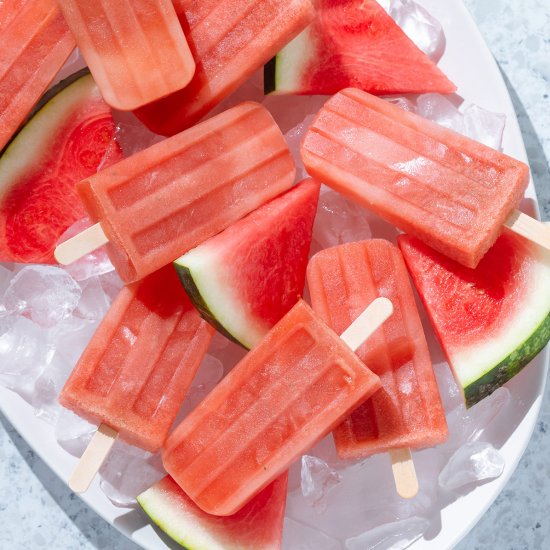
{"type": "Point", "coordinates": [136, 50]}
{"type": "Point", "coordinates": [35, 42]}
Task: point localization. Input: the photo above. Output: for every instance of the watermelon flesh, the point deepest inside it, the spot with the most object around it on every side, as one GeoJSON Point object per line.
{"type": "Point", "coordinates": [257, 526]}
{"type": "Point", "coordinates": [67, 140]}
{"type": "Point", "coordinates": [492, 320]}
{"type": "Point", "coordinates": [229, 41]}
{"type": "Point", "coordinates": [245, 279]}
{"type": "Point", "coordinates": [353, 43]}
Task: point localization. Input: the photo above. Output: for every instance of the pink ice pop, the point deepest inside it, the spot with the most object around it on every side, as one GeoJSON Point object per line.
{"type": "Point", "coordinates": [136, 51]}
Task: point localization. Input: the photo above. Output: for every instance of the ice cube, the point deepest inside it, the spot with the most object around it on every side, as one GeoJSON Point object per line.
{"type": "Point", "coordinates": [475, 122]}
{"type": "Point", "coordinates": [127, 472]}
{"type": "Point", "coordinates": [72, 432]}
{"type": "Point", "coordinates": [474, 462]}
{"type": "Point", "coordinates": [339, 221]}
{"type": "Point", "coordinates": [209, 374]}
{"type": "Point", "coordinates": [93, 264]}
{"type": "Point", "coordinates": [420, 26]}
{"type": "Point", "coordinates": [74, 64]}
{"type": "Point", "coordinates": [131, 135]}
{"type": "Point", "coordinates": [218, 343]}
{"type": "Point", "coordinates": [397, 535]}
{"type": "Point", "coordinates": [45, 294]}
{"type": "Point", "coordinates": [71, 336]}
{"type": "Point", "coordinates": [317, 479]}
{"type": "Point", "coordinates": [111, 284]}
{"type": "Point", "coordinates": [94, 301]}
{"type": "Point", "coordinates": [47, 388]}
{"type": "Point", "coordinates": [5, 278]}
{"type": "Point", "coordinates": [297, 536]}
{"type": "Point", "coordinates": [294, 138]}
{"type": "Point", "coordinates": [440, 109]}
{"type": "Point", "coordinates": [366, 498]}
{"type": "Point", "coordinates": [451, 395]}
{"type": "Point", "coordinates": [403, 103]}
{"type": "Point", "coordinates": [229, 355]}
{"type": "Point", "coordinates": [466, 425]}
{"type": "Point", "coordinates": [484, 126]}
{"type": "Point", "coordinates": [251, 90]}
{"type": "Point", "coordinates": [25, 352]}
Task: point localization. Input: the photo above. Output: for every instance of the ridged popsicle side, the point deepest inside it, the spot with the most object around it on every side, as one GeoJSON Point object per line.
{"type": "Point", "coordinates": [448, 190]}
{"type": "Point", "coordinates": [167, 199]}
{"type": "Point", "coordinates": [287, 393]}
{"type": "Point", "coordinates": [35, 43]}
{"type": "Point", "coordinates": [229, 41]}
{"type": "Point", "coordinates": [407, 410]}
{"type": "Point", "coordinates": [135, 49]}
{"type": "Point", "coordinates": [137, 368]}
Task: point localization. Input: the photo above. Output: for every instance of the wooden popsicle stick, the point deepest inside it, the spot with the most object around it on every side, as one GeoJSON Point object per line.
{"type": "Point", "coordinates": [404, 473]}
{"type": "Point", "coordinates": [85, 242]}
{"type": "Point", "coordinates": [528, 227]}
{"type": "Point", "coordinates": [92, 458]}
{"type": "Point", "coordinates": [374, 315]}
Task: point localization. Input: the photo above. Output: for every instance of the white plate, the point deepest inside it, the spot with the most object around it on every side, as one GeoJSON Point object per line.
{"type": "Point", "coordinates": [471, 66]}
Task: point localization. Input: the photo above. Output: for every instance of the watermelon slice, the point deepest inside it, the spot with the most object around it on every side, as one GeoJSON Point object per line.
{"type": "Point", "coordinates": [257, 526]}
{"type": "Point", "coordinates": [353, 43]}
{"type": "Point", "coordinates": [492, 320]}
{"type": "Point", "coordinates": [246, 278]}
{"type": "Point", "coordinates": [66, 140]}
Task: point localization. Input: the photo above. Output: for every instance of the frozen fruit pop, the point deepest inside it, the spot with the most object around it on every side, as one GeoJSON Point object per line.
{"type": "Point", "coordinates": [453, 193]}
{"type": "Point", "coordinates": [158, 204]}
{"type": "Point", "coordinates": [407, 412]}
{"type": "Point", "coordinates": [229, 41]}
{"type": "Point", "coordinates": [35, 43]}
{"type": "Point", "coordinates": [285, 395]}
{"type": "Point", "coordinates": [136, 370]}
{"type": "Point", "coordinates": [136, 50]}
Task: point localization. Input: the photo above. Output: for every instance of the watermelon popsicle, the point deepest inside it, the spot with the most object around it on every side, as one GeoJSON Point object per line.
{"type": "Point", "coordinates": [35, 43]}
{"type": "Point", "coordinates": [451, 192]}
{"type": "Point", "coordinates": [284, 396]}
{"type": "Point", "coordinates": [407, 411]}
{"type": "Point", "coordinates": [136, 51]}
{"type": "Point", "coordinates": [158, 204]}
{"type": "Point", "coordinates": [229, 41]}
{"type": "Point", "coordinates": [136, 370]}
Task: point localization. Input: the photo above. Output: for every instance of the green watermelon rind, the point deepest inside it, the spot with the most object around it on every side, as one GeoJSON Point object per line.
{"type": "Point", "coordinates": [162, 511]}
{"type": "Point", "coordinates": [187, 279]}
{"type": "Point", "coordinates": [29, 140]}
{"type": "Point", "coordinates": [282, 72]}
{"type": "Point", "coordinates": [508, 367]}
{"type": "Point", "coordinates": [258, 526]}
{"type": "Point", "coordinates": [45, 99]}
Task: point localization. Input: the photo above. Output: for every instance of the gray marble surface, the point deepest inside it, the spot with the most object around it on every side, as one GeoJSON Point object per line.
{"type": "Point", "coordinates": [37, 510]}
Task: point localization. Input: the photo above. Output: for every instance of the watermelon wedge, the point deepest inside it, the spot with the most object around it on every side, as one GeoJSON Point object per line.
{"type": "Point", "coordinates": [257, 526]}
{"type": "Point", "coordinates": [353, 43]}
{"type": "Point", "coordinates": [492, 320]}
{"type": "Point", "coordinates": [66, 140]}
{"type": "Point", "coordinates": [248, 277]}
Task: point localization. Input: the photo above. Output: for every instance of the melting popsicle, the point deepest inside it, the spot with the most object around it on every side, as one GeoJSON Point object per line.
{"type": "Point", "coordinates": [134, 374]}
{"type": "Point", "coordinates": [35, 43]}
{"type": "Point", "coordinates": [453, 193]}
{"type": "Point", "coordinates": [136, 51]}
{"type": "Point", "coordinates": [229, 41]}
{"type": "Point", "coordinates": [158, 204]}
{"type": "Point", "coordinates": [407, 412]}
{"type": "Point", "coordinates": [285, 395]}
